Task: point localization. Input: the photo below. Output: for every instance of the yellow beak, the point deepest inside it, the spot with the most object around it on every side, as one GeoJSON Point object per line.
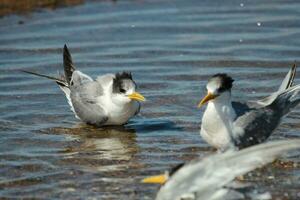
{"type": "Point", "coordinates": [137, 96]}
{"type": "Point", "coordinates": [159, 179]}
{"type": "Point", "coordinates": [207, 98]}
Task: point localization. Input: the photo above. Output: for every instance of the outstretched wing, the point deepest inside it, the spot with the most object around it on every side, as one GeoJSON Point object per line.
{"type": "Point", "coordinates": [206, 178]}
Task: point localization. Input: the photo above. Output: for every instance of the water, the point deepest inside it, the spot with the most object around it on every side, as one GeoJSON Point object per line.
{"type": "Point", "coordinates": [171, 47]}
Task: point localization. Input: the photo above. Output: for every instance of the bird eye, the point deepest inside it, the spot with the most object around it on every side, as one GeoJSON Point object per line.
{"type": "Point", "coordinates": [221, 89]}
{"type": "Point", "coordinates": [122, 90]}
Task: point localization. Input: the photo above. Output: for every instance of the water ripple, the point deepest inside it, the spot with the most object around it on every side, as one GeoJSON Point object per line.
{"type": "Point", "coordinates": [172, 48]}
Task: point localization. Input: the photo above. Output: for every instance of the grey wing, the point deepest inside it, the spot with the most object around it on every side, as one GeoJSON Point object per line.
{"type": "Point", "coordinates": [84, 100]}
{"type": "Point", "coordinates": [105, 80]}
{"type": "Point", "coordinates": [207, 177]}
{"type": "Point", "coordinates": [79, 78]}
{"type": "Point", "coordinates": [255, 126]}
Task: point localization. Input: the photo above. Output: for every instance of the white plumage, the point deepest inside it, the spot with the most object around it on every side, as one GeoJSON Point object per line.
{"type": "Point", "coordinates": [210, 178]}
{"type": "Point", "coordinates": [110, 99]}
{"type": "Point", "coordinates": [228, 124]}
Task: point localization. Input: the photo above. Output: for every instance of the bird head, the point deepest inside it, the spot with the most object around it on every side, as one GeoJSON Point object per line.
{"type": "Point", "coordinates": [124, 88]}
{"type": "Point", "coordinates": [217, 85]}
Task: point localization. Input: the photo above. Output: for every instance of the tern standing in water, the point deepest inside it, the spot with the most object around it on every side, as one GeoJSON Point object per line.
{"type": "Point", "coordinates": [110, 99]}
{"type": "Point", "coordinates": [227, 124]}
{"type": "Point", "coordinates": [211, 178]}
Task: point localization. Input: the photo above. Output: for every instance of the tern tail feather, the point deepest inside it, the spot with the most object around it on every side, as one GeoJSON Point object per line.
{"type": "Point", "coordinates": [289, 79]}
{"type": "Point", "coordinates": [60, 82]}
{"type": "Point", "coordinates": [287, 100]}
{"type": "Point", "coordinates": [285, 84]}
{"type": "Point", "coordinates": [64, 86]}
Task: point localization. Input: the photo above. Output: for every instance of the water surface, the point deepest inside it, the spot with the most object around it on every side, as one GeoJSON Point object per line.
{"type": "Point", "coordinates": [171, 47]}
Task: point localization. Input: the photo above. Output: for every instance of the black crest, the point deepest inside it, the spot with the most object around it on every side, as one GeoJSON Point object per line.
{"type": "Point", "coordinates": [123, 75]}
{"type": "Point", "coordinates": [118, 80]}
{"type": "Point", "coordinates": [226, 81]}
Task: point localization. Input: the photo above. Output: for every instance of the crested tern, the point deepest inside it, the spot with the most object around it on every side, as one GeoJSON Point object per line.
{"type": "Point", "coordinates": [226, 124]}
{"type": "Point", "coordinates": [212, 177]}
{"type": "Point", "coordinates": [110, 99]}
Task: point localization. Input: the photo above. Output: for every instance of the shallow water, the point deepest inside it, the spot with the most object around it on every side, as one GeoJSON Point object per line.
{"type": "Point", "coordinates": [171, 47]}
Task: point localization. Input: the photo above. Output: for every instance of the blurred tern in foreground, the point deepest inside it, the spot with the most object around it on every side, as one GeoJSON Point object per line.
{"type": "Point", "coordinates": [110, 99]}
{"type": "Point", "coordinates": [227, 124]}
{"type": "Point", "coordinates": [211, 178]}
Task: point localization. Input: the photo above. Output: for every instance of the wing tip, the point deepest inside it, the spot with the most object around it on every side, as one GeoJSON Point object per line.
{"type": "Point", "coordinates": [66, 52]}
{"type": "Point", "coordinates": [294, 67]}
{"type": "Point", "coordinates": [68, 64]}
{"type": "Point", "coordinates": [293, 74]}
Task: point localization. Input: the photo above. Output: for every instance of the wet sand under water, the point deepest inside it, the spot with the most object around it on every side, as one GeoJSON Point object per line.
{"type": "Point", "coordinates": [171, 47]}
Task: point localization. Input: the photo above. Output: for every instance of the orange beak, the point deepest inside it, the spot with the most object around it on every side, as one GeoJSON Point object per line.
{"type": "Point", "coordinates": [207, 98]}
{"type": "Point", "coordinates": [159, 179]}
{"type": "Point", "coordinates": [137, 96]}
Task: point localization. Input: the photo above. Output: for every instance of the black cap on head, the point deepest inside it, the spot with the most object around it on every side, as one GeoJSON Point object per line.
{"type": "Point", "coordinates": [123, 75]}
{"type": "Point", "coordinates": [118, 81]}
{"type": "Point", "coordinates": [225, 81]}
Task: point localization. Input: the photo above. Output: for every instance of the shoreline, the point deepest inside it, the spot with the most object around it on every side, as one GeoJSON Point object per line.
{"type": "Point", "coordinates": [8, 7]}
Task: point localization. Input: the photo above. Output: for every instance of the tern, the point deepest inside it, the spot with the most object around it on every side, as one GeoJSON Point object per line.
{"type": "Point", "coordinates": [211, 178]}
{"type": "Point", "coordinates": [227, 124]}
{"type": "Point", "coordinates": [110, 99]}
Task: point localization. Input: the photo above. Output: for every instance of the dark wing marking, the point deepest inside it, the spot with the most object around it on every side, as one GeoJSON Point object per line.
{"type": "Point", "coordinates": [292, 76]}
{"type": "Point", "coordinates": [69, 67]}
{"type": "Point", "coordinates": [257, 124]}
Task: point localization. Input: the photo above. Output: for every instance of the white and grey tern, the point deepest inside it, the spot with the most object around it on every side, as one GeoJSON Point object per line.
{"type": "Point", "coordinates": [110, 99]}
{"type": "Point", "coordinates": [229, 124]}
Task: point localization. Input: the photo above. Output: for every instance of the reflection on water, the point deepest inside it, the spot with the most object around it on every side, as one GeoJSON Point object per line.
{"type": "Point", "coordinates": [113, 146]}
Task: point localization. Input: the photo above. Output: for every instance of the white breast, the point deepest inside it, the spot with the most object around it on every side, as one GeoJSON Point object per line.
{"type": "Point", "coordinates": [118, 114]}
{"type": "Point", "coordinates": [217, 124]}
